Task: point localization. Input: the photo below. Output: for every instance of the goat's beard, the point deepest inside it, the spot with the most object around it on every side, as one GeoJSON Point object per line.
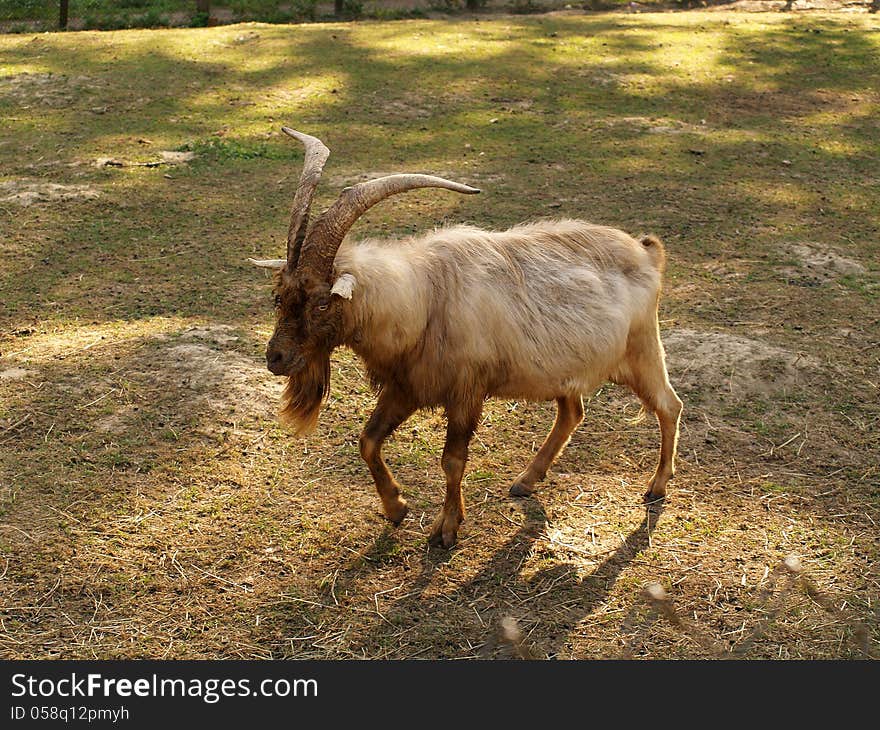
{"type": "Point", "coordinates": [304, 394]}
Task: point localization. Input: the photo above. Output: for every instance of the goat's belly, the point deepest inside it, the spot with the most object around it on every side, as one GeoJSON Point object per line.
{"type": "Point", "coordinates": [561, 366]}
{"type": "Point", "coordinates": [549, 384]}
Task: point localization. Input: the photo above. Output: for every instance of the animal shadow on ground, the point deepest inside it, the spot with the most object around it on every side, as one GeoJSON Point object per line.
{"type": "Point", "coordinates": [449, 614]}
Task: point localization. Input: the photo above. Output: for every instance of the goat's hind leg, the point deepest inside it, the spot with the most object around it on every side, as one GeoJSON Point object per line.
{"type": "Point", "coordinates": [646, 375]}
{"type": "Point", "coordinates": [569, 414]}
{"type": "Point", "coordinates": [391, 410]}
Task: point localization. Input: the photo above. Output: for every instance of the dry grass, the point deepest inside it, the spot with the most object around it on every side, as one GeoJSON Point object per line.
{"type": "Point", "coordinates": [150, 505]}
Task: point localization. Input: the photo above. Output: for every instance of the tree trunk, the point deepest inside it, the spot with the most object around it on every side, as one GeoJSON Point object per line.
{"type": "Point", "coordinates": [338, 7]}
{"type": "Point", "coordinates": [203, 6]}
{"type": "Point", "coordinates": [62, 14]}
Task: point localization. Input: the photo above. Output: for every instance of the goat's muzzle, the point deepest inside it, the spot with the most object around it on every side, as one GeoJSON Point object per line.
{"type": "Point", "coordinates": [280, 363]}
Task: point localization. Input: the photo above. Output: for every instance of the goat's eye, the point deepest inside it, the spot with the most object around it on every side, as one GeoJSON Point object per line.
{"type": "Point", "coordinates": [322, 307]}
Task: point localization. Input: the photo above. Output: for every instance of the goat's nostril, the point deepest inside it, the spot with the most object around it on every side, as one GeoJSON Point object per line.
{"type": "Point", "coordinates": [273, 359]}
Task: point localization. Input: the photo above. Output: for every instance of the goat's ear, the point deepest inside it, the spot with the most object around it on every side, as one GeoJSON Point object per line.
{"type": "Point", "coordinates": [344, 286]}
{"type": "Point", "coordinates": [269, 263]}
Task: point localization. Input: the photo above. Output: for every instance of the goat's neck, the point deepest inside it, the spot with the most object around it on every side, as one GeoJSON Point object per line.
{"type": "Point", "coordinates": [390, 302]}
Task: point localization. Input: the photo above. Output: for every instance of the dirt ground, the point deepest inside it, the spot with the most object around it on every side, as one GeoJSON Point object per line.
{"type": "Point", "coordinates": [151, 505]}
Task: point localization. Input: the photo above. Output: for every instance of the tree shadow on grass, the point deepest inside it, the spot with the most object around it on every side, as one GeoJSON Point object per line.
{"type": "Point", "coordinates": [120, 257]}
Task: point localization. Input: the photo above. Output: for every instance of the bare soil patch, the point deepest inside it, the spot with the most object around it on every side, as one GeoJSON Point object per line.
{"type": "Point", "coordinates": [47, 89]}
{"type": "Point", "coordinates": [33, 192]}
{"type": "Point", "coordinates": [732, 365]}
{"type": "Point", "coordinates": [819, 264]}
{"type": "Point", "coordinates": [15, 373]}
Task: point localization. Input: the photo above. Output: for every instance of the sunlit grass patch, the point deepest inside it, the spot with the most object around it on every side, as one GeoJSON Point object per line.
{"type": "Point", "coordinates": [71, 339]}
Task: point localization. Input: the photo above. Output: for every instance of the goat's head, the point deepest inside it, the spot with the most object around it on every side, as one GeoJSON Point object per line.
{"type": "Point", "coordinates": [309, 299]}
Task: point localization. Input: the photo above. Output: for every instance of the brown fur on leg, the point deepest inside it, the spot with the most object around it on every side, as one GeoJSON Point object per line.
{"type": "Point", "coordinates": [644, 371]}
{"type": "Point", "coordinates": [569, 414]}
{"type": "Point", "coordinates": [459, 431]}
{"type": "Point", "coordinates": [391, 410]}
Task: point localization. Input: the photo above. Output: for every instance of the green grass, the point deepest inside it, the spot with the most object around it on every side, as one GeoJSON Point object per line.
{"type": "Point", "coordinates": [150, 472]}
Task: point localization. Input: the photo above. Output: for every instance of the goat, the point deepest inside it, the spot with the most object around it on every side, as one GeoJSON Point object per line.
{"type": "Point", "coordinates": [546, 310]}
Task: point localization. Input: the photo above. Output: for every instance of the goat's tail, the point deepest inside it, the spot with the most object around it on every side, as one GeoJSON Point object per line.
{"type": "Point", "coordinates": [655, 250]}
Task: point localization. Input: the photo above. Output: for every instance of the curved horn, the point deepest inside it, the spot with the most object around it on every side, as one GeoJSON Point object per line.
{"type": "Point", "coordinates": [330, 228]}
{"type": "Point", "coordinates": [313, 164]}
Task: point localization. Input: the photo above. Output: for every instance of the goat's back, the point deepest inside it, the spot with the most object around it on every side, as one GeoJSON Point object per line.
{"type": "Point", "coordinates": [541, 310]}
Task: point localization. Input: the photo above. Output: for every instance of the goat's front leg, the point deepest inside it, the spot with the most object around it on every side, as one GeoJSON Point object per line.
{"type": "Point", "coordinates": [462, 424]}
{"type": "Point", "coordinates": [569, 414]}
{"type": "Point", "coordinates": [392, 409]}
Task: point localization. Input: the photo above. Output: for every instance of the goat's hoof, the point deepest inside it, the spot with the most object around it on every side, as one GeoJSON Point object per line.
{"type": "Point", "coordinates": [520, 489]}
{"type": "Point", "coordinates": [444, 532]}
{"type": "Point", "coordinates": [656, 490]}
{"type": "Point", "coordinates": [396, 512]}
{"type": "Point", "coordinates": [439, 541]}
